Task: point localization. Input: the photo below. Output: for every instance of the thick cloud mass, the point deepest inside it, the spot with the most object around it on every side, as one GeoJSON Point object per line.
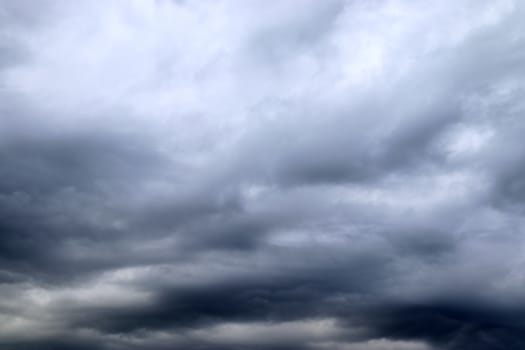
{"type": "Point", "coordinates": [259, 175]}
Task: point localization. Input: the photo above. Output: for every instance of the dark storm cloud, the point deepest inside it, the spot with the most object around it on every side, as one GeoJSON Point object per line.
{"type": "Point", "coordinates": [50, 182]}
{"type": "Point", "coordinates": [456, 324]}
{"type": "Point", "coordinates": [46, 164]}
{"type": "Point", "coordinates": [261, 175]}
{"type": "Point", "coordinates": [55, 344]}
{"type": "Point", "coordinates": [296, 293]}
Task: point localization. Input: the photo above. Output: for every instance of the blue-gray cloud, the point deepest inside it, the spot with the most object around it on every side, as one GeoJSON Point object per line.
{"type": "Point", "coordinates": [261, 175]}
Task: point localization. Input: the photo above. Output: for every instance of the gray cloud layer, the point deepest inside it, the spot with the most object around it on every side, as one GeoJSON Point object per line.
{"type": "Point", "coordinates": [262, 175]}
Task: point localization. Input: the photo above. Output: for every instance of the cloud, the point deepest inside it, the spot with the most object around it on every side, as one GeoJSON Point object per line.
{"type": "Point", "coordinates": [261, 175]}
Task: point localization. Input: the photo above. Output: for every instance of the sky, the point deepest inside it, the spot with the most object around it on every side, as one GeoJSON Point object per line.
{"type": "Point", "coordinates": [262, 175]}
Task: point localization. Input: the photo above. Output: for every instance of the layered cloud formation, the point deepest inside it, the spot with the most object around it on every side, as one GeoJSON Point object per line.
{"type": "Point", "coordinates": [257, 175]}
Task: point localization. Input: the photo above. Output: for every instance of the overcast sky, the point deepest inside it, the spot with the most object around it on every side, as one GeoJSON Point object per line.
{"type": "Point", "coordinates": [262, 175]}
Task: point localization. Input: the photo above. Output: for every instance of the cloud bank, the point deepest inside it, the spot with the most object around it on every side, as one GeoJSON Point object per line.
{"type": "Point", "coordinates": [259, 175]}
